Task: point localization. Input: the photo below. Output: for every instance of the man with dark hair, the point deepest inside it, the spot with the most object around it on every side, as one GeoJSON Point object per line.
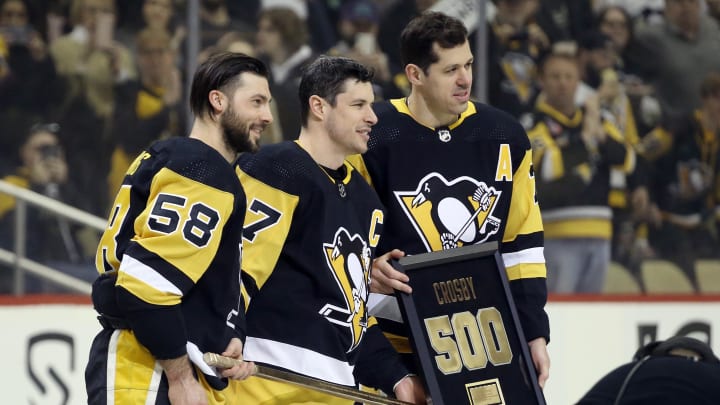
{"type": "Point", "coordinates": [453, 172]}
{"type": "Point", "coordinates": [169, 288]}
{"type": "Point", "coordinates": [574, 150]}
{"type": "Point", "coordinates": [311, 232]}
{"type": "Point", "coordinates": [282, 42]}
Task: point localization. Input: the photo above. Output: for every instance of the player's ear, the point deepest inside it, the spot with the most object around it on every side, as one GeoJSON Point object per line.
{"type": "Point", "coordinates": [317, 106]}
{"type": "Point", "coordinates": [413, 73]}
{"type": "Point", "coordinates": [217, 101]}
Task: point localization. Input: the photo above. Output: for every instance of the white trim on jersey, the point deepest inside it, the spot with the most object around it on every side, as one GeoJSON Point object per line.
{"type": "Point", "coordinates": [154, 384]}
{"type": "Point", "coordinates": [111, 367]}
{"type": "Point", "coordinates": [577, 212]}
{"type": "Point", "coordinates": [299, 360]}
{"type": "Point", "coordinates": [147, 275]}
{"type": "Point", "coordinates": [385, 307]}
{"type": "Point", "coordinates": [532, 255]}
{"type": "Point", "coordinates": [196, 356]}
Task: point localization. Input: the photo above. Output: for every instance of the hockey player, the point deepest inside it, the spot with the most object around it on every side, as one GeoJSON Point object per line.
{"type": "Point", "coordinates": [169, 288]}
{"type": "Point", "coordinates": [452, 172]}
{"type": "Point", "coordinates": [311, 232]}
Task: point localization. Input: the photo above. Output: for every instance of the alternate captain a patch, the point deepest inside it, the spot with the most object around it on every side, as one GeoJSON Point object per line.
{"type": "Point", "coordinates": [451, 213]}
{"type": "Point", "coordinates": [349, 260]}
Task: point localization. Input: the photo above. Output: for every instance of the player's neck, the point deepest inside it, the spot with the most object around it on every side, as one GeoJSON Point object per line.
{"type": "Point", "coordinates": [211, 135]}
{"type": "Point", "coordinates": [424, 113]}
{"type": "Point", "coordinates": [321, 149]}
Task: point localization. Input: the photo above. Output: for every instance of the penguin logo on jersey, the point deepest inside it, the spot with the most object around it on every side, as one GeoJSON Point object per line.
{"type": "Point", "coordinates": [348, 258]}
{"type": "Point", "coordinates": [448, 214]}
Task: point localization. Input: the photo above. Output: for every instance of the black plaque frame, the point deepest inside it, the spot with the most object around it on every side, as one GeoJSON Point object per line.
{"type": "Point", "coordinates": [482, 261]}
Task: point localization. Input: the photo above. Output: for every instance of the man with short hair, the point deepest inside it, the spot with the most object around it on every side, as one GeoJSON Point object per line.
{"type": "Point", "coordinates": [311, 232]}
{"type": "Point", "coordinates": [453, 173]}
{"type": "Point", "coordinates": [574, 150]}
{"type": "Point", "coordinates": [169, 288]}
{"type": "Point", "coordinates": [678, 54]}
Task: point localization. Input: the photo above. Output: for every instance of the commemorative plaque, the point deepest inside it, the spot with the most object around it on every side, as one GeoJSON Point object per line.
{"type": "Point", "coordinates": [465, 332]}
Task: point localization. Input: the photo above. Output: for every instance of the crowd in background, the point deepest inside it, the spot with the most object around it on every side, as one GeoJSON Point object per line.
{"type": "Point", "coordinates": [85, 85]}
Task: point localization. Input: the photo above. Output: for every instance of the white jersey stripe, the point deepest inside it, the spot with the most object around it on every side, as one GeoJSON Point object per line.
{"type": "Point", "coordinates": [111, 366]}
{"type": "Point", "coordinates": [147, 275]}
{"type": "Point", "coordinates": [579, 212]}
{"type": "Point", "coordinates": [532, 255]}
{"type": "Point", "coordinates": [299, 360]}
{"type": "Point", "coordinates": [154, 384]}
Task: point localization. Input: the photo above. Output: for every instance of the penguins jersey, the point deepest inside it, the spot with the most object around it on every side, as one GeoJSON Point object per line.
{"type": "Point", "coordinates": [173, 237]}
{"type": "Point", "coordinates": [575, 179]}
{"type": "Point", "coordinates": [469, 183]}
{"type": "Point", "coordinates": [309, 241]}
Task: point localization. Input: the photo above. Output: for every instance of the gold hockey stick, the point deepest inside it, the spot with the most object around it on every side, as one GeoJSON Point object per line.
{"type": "Point", "coordinates": [340, 391]}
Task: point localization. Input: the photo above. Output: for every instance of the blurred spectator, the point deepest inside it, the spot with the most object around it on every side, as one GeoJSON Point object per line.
{"type": "Point", "coordinates": [282, 42]}
{"type": "Point", "coordinates": [320, 16]}
{"type": "Point", "coordinates": [596, 53]}
{"type": "Point", "coordinates": [233, 41]}
{"type": "Point", "coordinates": [322, 22]}
{"type": "Point", "coordinates": [392, 23]}
{"type": "Point", "coordinates": [26, 70]}
{"type": "Point", "coordinates": [358, 27]}
{"type": "Point", "coordinates": [687, 184]}
{"type": "Point", "coordinates": [573, 150]}
{"type": "Point", "coordinates": [245, 11]}
{"type": "Point", "coordinates": [146, 109]}
{"type": "Point", "coordinates": [678, 54]}
{"type": "Point", "coordinates": [49, 239]}
{"type": "Point", "coordinates": [158, 15]}
{"type": "Point", "coordinates": [565, 20]}
{"type": "Point", "coordinates": [714, 9]}
{"type": "Point", "coordinates": [215, 21]}
{"type": "Point", "coordinates": [628, 196]}
{"type": "Point", "coordinates": [616, 23]}
{"type": "Point", "coordinates": [91, 63]}
{"type": "Point", "coordinates": [515, 44]}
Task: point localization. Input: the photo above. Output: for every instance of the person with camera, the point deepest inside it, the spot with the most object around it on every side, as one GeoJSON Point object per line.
{"type": "Point", "coordinates": [685, 185]}
{"type": "Point", "coordinates": [358, 26]}
{"type": "Point", "coordinates": [43, 169]}
{"type": "Point", "coordinates": [26, 70]}
{"type": "Point", "coordinates": [91, 63]}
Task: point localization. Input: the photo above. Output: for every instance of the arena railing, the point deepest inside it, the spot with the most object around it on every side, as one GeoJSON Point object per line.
{"type": "Point", "coordinates": [18, 260]}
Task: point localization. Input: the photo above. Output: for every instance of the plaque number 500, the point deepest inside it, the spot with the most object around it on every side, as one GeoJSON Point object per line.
{"type": "Point", "coordinates": [477, 339]}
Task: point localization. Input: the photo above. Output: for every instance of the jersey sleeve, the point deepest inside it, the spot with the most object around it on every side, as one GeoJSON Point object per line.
{"type": "Point", "coordinates": [522, 252]}
{"type": "Point", "coordinates": [378, 364]}
{"type": "Point", "coordinates": [176, 237]}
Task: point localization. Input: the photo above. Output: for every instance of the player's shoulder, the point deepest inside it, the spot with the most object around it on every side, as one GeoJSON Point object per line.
{"type": "Point", "coordinates": [384, 107]}
{"type": "Point", "coordinates": [191, 159]}
{"type": "Point", "coordinates": [489, 114]}
{"type": "Point", "coordinates": [281, 165]}
{"type": "Point", "coordinates": [498, 124]}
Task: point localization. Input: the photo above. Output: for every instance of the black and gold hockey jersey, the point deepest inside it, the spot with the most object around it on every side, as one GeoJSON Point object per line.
{"type": "Point", "coordinates": [468, 183]}
{"type": "Point", "coordinates": [573, 176]}
{"type": "Point", "coordinates": [687, 184]}
{"type": "Point", "coordinates": [309, 241]}
{"type": "Point", "coordinates": [173, 237]}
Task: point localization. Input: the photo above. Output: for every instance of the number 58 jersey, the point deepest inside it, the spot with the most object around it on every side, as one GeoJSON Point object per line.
{"type": "Point", "coordinates": [173, 237]}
